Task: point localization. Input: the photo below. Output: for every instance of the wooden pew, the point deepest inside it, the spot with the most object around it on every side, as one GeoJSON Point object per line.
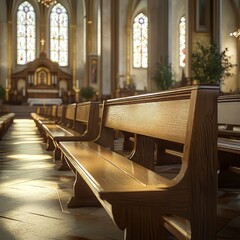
{"type": "Point", "coordinates": [140, 201]}
{"type": "Point", "coordinates": [1, 128]}
{"type": "Point", "coordinates": [6, 119]}
{"type": "Point", "coordinates": [229, 140]}
{"type": "Point", "coordinates": [229, 116]}
{"type": "Point", "coordinates": [59, 120]}
{"type": "Point", "coordinates": [47, 114]}
{"type": "Point", "coordinates": [41, 112]}
{"type": "Point", "coordinates": [66, 123]}
{"type": "Point", "coordinates": [81, 122]}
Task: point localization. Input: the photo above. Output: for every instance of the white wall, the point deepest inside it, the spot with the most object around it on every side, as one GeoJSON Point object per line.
{"type": "Point", "coordinates": [229, 15]}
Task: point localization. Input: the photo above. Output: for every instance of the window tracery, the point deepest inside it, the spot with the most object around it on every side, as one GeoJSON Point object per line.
{"type": "Point", "coordinates": [182, 42]}
{"type": "Point", "coordinates": [140, 41]}
{"type": "Point", "coordinates": [26, 33]}
{"type": "Point", "coordinates": [59, 35]}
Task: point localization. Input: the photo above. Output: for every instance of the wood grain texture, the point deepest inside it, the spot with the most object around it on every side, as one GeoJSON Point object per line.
{"type": "Point", "coordinates": [138, 117]}
{"type": "Point", "coordinates": [139, 200]}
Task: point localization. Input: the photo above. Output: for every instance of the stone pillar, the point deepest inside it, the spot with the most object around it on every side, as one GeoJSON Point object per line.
{"type": "Point", "coordinates": [3, 46]}
{"type": "Point", "coordinates": [158, 36]}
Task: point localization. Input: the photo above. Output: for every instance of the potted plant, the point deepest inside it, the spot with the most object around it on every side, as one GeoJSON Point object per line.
{"type": "Point", "coordinates": [87, 92]}
{"type": "Point", "coordinates": [163, 75]}
{"type": "Point", "coordinates": [209, 65]}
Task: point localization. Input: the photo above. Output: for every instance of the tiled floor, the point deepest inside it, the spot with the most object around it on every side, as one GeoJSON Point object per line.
{"type": "Point", "coordinates": [34, 194]}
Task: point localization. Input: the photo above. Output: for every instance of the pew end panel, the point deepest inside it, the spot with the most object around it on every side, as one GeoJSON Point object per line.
{"type": "Point", "coordinates": [87, 120]}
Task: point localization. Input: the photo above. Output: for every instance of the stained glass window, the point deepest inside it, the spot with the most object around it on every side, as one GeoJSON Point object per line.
{"type": "Point", "coordinates": [26, 33]}
{"type": "Point", "coordinates": [59, 35]}
{"type": "Point", "coordinates": [140, 41]}
{"type": "Point", "coordinates": [182, 42]}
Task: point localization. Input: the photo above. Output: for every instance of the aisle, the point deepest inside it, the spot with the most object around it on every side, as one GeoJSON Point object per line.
{"type": "Point", "coordinates": [33, 194]}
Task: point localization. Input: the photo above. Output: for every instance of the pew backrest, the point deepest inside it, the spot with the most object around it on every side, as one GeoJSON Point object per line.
{"type": "Point", "coordinates": [86, 117]}
{"type": "Point", "coordinates": [60, 113]}
{"type": "Point", "coordinates": [229, 115]}
{"type": "Point", "coordinates": [176, 116]}
{"type": "Point", "coordinates": [54, 112]}
{"type": "Point", "coordinates": [69, 116]}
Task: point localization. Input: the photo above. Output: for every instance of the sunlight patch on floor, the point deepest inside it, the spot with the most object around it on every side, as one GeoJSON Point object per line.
{"type": "Point", "coordinates": [24, 142]}
{"type": "Point", "coordinates": [30, 156]}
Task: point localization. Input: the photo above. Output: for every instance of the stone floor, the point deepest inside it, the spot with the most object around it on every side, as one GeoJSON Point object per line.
{"type": "Point", "coordinates": [34, 194]}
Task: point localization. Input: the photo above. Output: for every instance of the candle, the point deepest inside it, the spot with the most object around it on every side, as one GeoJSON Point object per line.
{"type": "Point", "coordinates": [6, 83]}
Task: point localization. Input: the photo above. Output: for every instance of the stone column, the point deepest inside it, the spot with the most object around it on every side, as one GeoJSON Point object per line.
{"type": "Point", "coordinates": [158, 36]}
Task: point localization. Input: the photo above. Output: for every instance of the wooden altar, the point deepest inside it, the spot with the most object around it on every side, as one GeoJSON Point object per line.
{"type": "Point", "coordinates": [41, 79]}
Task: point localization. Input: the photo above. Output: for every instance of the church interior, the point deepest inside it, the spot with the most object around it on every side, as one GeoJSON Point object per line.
{"type": "Point", "coordinates": [120, 119]}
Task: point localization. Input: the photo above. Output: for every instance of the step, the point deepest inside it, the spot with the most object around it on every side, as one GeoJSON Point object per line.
{"type": "Point", "coordinates": [21, 111]}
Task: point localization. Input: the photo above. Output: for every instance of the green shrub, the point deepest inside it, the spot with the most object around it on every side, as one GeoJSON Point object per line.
{"type": "Point", "coordinates": [163, 75]}
{"type": "Point", "coordinates": [209, 65]}
{"type": "Point", "coordinates": [87, 92]}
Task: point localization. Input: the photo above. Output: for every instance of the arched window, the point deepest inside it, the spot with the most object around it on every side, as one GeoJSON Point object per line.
{"type": "Point", "coordinates": [140, 41]}
{"type": "Point", "coordinates": [59, 35]}
{"type": "Point", "coordinates": [182, 41]}
{"type": "Point", "coordinates": [26, 33]}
